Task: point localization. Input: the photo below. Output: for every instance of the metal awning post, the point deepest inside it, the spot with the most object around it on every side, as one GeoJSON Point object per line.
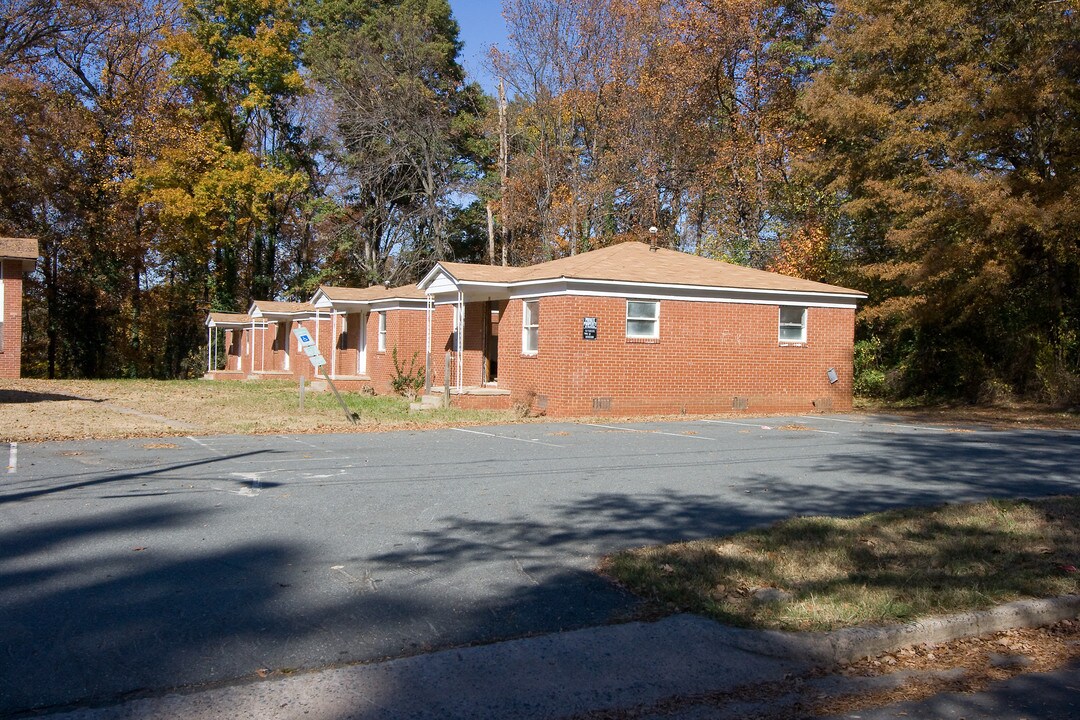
{"type": "Point", "coordinates": [460, 340]}
{"type": "Point", "coordinates": [333, 343]}
{"type": "Point", "coordinates": [427, 353]}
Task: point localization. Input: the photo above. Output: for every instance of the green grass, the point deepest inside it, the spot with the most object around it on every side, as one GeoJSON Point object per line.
{"type": "Point", "coordinates": [876, 569]}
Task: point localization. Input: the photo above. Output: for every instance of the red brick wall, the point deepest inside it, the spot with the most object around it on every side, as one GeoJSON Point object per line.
{"type": "Point", "coordinates": [11, 349]}
{"type": "Point", "coordinates": [406, 330]}
{"type": "Point", "coordinates": [707, 355]}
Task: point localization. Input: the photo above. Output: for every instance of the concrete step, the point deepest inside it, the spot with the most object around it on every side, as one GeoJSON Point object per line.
{"type": "Point", "coordinates": [427, 402]}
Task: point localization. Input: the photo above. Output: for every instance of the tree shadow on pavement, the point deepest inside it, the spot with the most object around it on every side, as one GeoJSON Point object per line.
{"type": "Point", "coordinates": [85, 617]}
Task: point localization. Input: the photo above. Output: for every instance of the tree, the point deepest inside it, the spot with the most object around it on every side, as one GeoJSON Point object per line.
{"type": "Point", "coordinates": [678, 114]}
{"type": "Point", "coordinates": [951, 135]}
{"type": "Point", "coordinates": [77, 80]}
{"type": "Point", "coordinates": [227, 180]}
{"type": "Point", "coordinates": [406, 124]}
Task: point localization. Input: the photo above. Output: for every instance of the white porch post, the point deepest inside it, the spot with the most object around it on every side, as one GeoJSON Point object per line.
{"type": "Point", "coordinates": [334, 343]}
{"type": "Point", "coordinates": [427, 355]}
{"type": "Point", "coordinates": [461, 341]}
{"type": "Point", "coordinates": [209, 348]}
{"type": "Point", "coordinates": [251, 340]}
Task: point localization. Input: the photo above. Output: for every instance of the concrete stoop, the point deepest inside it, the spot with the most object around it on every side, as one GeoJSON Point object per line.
{"type": "Point", "coordinates": [427, 402]}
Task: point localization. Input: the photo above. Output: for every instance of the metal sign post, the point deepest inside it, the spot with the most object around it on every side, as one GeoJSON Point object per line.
{"type": "Point", "coordinates": [318, 361]}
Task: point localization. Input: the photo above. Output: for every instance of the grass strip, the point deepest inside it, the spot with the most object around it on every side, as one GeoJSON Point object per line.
{"type": "Point", "coordinates": [823, 573]}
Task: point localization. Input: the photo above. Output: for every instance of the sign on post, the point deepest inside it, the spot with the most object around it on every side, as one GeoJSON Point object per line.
{"type": "Point", "coordinates": [307, 344]}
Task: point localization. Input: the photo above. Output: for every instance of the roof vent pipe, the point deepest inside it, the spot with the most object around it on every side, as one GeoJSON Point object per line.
{"type": "Point", "coordinates": [652, 238]}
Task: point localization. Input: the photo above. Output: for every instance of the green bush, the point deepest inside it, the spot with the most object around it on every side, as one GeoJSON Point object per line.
{"type": "Point", "coordinates": [407, 381]}
{"type": "Point", "coordinates": [870, 379]}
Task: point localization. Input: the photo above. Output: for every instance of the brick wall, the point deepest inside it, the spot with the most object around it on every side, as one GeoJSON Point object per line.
{"type": "Point", "coordinates": [11, 347]}
{"type": "Point", "coordinates": [710, 357]}
{"type": "Point", "coordinates": [407, 331]}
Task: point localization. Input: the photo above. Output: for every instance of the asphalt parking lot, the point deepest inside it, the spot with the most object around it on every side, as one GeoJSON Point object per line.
{"type": "Point", "coordinates": [139, 565]}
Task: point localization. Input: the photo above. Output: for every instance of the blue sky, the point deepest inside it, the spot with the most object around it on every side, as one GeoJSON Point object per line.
{"type": "Point", "coordinates": [481, 26]}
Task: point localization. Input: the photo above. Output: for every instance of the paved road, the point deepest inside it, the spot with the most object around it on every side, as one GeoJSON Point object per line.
{"type": "Point", "coordinates": [134, 566]}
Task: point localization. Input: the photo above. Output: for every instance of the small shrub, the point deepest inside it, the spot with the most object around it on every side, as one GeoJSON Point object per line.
{"type": "Point", "coordinates": [870, 379]}
{"type": "Point", "coordinates": [407, 381]}
{"type": "Point", "coordinates": [1057, 367]}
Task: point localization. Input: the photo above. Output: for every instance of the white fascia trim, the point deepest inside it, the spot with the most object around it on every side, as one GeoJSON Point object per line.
{"type": "Point", "coordinates": [233, 325]}
{"type": "Point", "coordinates": [345, 305]}
{"type": "Point", "coordinates": [689, 294]}
{"type": "Point", "coordinates": [432, 274]}
{"type": "Point", "coordinates": [320, 301]}
{"type": "Point", "coordinates": [678, 290]}
{"type": "Point", "coordinates": [281, 317]}
{"type": "Point", "coordinates": [395, 304]}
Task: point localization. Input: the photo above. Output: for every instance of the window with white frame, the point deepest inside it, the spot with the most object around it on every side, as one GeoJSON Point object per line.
{"type": "Point", "coordinates": [792, 324]}
{"type": "Point", "coordinates": [530, 327]}
{"type": "Point", "coordinates": [643, 319]}
{"type": "Point", "coordinates": [382, 332]}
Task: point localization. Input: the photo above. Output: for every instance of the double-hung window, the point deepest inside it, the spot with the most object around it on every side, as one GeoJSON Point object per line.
{"type": "Point", "coordinates": [382, 332]}
{"type": "Point", "coordinates": [643, 319]}
{"type": "Point", "coordinates": [792, 324]}
{"type": "Point", "coordinates": [530, 327]}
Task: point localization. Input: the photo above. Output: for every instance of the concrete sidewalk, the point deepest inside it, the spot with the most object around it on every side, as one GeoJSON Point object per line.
{"type": "Point", "coordinates": [636, 667]}
{"type": "Point", "coordinates": [565, 674]}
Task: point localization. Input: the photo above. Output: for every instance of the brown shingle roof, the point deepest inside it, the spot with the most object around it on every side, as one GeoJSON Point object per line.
{"type": "Point", "coordinates": [635, 262]}
{"type": "Point", "coordinates": [19, 248]}
{"type": "Point", "coordinates": [221, 318]}
{"type": "Point", "coordinates": [468, 272]}
{"type": "Point", "coordinates": [375, 292]}
{"type": "Point", "coordinates": [271, 307]}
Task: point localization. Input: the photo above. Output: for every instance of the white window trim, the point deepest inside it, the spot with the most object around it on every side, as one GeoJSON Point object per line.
{"type": "Point", "coordinates": [525, 327]}
{"type": "Point", "coordinates": [382, 332]}
{"type": "Point", "coordinates": [801, 340]}
{"type": "Point", "coordinates": [655, 321]}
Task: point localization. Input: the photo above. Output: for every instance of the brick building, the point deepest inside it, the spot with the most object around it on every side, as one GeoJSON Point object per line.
{"type": "Point", "coordinates": [17, 257]}
{"type": "Point", "coordinates": [359, 331]}
{"type": "Point", "coordinates": [631, 329]}
{"type": "Point", "coordinates": [626, 329]}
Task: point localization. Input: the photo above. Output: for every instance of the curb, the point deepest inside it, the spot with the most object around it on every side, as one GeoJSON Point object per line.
{"type": "Point", "coordinates": [841, 647]}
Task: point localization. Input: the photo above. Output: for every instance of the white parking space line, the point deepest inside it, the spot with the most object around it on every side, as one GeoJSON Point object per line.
{"type": "Point", "coordinates": [771, 427]}
{"type": "Point", "coordinates": [302, 442]}
{"type": "Point", "coordinates": [650, 432]}
{"type": "Point", "coordinates": [201, 444]}
{"type": "Point", "coordinates": [506, 437]}
{"type": "Point", "coordinates": [728, 422]}
{"type": "Point", "coordinates": [920, 427]}
{"type": "Point", "coordinates": [832, 419]}
{"type": "Point", "coordinates": [13, 458]}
